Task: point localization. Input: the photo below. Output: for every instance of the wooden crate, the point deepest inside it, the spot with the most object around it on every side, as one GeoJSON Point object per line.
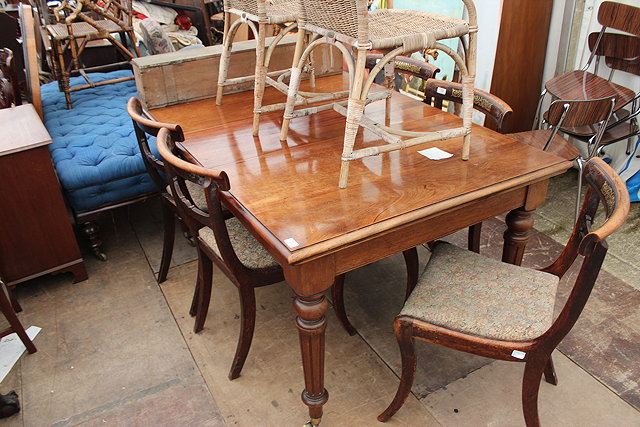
{"type": "Point", "coordinates": [192, 74]}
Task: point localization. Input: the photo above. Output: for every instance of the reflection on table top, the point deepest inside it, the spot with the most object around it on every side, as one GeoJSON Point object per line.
{"type": "Point", "coordinates": [291, 189]}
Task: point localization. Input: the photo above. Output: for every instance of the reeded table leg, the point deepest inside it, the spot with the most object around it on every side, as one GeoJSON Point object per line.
{"type": "Point", "coordinates": [519, 223]}
{"type": "Point", "coordinates": [311, 323]}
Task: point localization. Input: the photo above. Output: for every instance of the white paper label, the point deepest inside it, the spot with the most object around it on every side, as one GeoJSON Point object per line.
{"type": "Point", "coordinates": [518, 354]}
{"type": "Point", "coordinates": [435, 153]}
{"type": "Point", "coordinates": [441, 91]}
{"type": "Point", "coordinates": [291, 242]}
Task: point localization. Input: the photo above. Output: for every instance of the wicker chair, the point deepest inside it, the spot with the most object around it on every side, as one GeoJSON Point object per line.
{"type": "Point", "coordinates": [347, 24]}
{"type": "Point", "coordinates": [482, 306]}
{"type": "Point", "coordinates": [262, 12]}
{"type": "Point", "coordinates": [80, 26]}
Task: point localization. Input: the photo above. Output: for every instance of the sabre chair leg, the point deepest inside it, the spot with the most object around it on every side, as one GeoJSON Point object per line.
{"type": "Point", "coordinates": [225, 58]}
{"type": "Point", "coordinates": [355, 108]}
{"type": "Point", "coordinates": [248, 316]}
{"type": "Point", "coordinates": [580, 163]}
{"type": "Point", "coordinates": [407, 352]}
{"type": "Point", "coordinates": [412, 262]}
{"type": "Point", "coordinates": [533, 371]}
{"type": "Point", "coordinates": [550, 372]}
{"type": "Point", "coordinates": [261, 73]}
{"type": "Point", "coordinates": [473, 239]}
{"type": "Point", "coordinates": [205, 279]}
{"type": "Point", "coordinates": [337, 294]}
{"type": "Point", "coordinates": [294, 84]}
{"type": "Point", "coordinates": [169, 220]}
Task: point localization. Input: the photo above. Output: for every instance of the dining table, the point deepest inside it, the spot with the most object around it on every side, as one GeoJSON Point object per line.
{"type": "Point", "coordinates": [286, 194]}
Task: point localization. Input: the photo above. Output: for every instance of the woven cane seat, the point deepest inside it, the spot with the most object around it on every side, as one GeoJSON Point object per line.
{"type": "Point", "coordinates": [278, 11]}
{"type": "Point", "coordinates": [466, 292]}
{"type": "Point", "coordinates": [390, 28]}
{"type": "Point", "coordinates": [82, 29]}
{"type": "Point", "coordinates": [249, 251]}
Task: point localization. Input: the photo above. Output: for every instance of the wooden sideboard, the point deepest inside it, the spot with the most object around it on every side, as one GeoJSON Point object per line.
{"type": "Point", "coordinates": [36, 237]}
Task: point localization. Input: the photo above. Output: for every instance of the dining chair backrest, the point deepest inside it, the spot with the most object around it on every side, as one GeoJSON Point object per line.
{"type": "Point", "coordinates": [617, 48]}
{"type": "Point", "coordinates": [622, 17]}
{"type": "Point", "coordinates": [607, 189]}
{"type": "Point", "coordinates": [181, 167]}
{"type": "Point", "coordinates": [494, 108]}
{"type": "Point", "coordinates": [580, 112]}
{"type": "Point", "coordinates": [143, 125]}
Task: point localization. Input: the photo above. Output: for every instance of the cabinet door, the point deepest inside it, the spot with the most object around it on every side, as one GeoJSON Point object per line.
{"type": "Point", "coordinates": [520, 55]}
{"type": "Point", "coordinates": [35, 230]}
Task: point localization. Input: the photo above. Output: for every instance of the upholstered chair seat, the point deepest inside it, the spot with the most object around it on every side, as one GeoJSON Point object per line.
{"type": "Point", "coordinates": [249, 251]}
{"type": "Point", "coordinates": [466, 292]}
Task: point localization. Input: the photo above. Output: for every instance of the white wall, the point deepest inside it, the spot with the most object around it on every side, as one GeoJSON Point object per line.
{"type": "Point", "coordinates": [489, 13]}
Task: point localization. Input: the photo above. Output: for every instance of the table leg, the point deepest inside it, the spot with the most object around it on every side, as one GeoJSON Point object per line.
{"type": "Point", "coordinates": [311, 323]}
{"type": "Point", "coordinates": [519, 222]}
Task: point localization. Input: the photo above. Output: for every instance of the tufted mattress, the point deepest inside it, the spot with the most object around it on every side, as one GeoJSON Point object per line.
{"type": "Point", "coordinates": [94, 148]}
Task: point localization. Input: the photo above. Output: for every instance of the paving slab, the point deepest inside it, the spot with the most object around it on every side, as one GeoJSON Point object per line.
{"type": "Point", "coordinates": [109, 349]}
{"type": "Point", "coordinates": [491, 396]}
{"type": "Point", "coordinates": [268, 391]}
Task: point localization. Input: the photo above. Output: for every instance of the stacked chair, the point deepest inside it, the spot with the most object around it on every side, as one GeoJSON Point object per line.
{"type": "Point", "coordinates": [347, 24]}
{"type": "Point", "coordinates": [620, 51]}
{"type": "Point", "coordinates": [80, 22]}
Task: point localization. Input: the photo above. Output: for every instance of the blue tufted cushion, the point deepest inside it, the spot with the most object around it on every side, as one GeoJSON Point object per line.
{"type": "Point", "coordinates": [94, 143]}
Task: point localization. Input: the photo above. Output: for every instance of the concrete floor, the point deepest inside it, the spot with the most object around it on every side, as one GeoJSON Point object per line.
{"type": "Point", "coordinates": [118, 349]}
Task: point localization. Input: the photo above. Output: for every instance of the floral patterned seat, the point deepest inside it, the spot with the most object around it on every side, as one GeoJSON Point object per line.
{"type": "Point", "coordinates": [466, 292]}
{"type": "Point", "coordinates": [249, 251]}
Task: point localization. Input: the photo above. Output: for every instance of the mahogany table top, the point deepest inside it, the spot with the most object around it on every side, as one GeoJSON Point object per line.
{"type": "Point", "coordinates": [291, 188]}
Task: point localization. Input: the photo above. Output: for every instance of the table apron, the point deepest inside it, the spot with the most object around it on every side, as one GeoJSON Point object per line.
{"type": "Point", "coordinates": [316, 275]}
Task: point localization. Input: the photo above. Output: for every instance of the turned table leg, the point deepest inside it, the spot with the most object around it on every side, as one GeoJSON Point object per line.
{"type": "Point", "coordinates": [519, 222]}
{"type": "Point", "coordinates": [311, 323]}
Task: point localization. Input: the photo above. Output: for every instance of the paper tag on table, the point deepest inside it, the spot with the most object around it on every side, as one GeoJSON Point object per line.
{"type": "Point", "coordinates": [434, 153]}
{"type": "Point", "coordinates": [291, 242]}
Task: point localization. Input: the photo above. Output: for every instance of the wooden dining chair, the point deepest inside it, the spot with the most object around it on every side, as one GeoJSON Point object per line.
{"type": "Point", "coordinates": [146, 126]}
{"type": "Point", "coordinates": [496, 113]}
{"type": "Point", "coordinates": [572, 113]}
{"type": "Point", "coordinates": [482, 306]}
{"type": "Point", "coordinates": [9, 306]}
{"type": "Point", "coordinates": [225, 241]}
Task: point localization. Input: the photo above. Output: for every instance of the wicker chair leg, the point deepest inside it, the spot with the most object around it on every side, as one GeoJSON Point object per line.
{"type": "Point", "coordinates": [225, 58]}
{"type": "Point", "coordinates": [310, 62]}
{"type": "Point", "coordinates": [261, 74]}
{"type": "Point", "coordinates": [355, 108]}
{"type": "Point", "coordinates": [294, 84]}
{"type": "Point", "coordinates": [389, 75]}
